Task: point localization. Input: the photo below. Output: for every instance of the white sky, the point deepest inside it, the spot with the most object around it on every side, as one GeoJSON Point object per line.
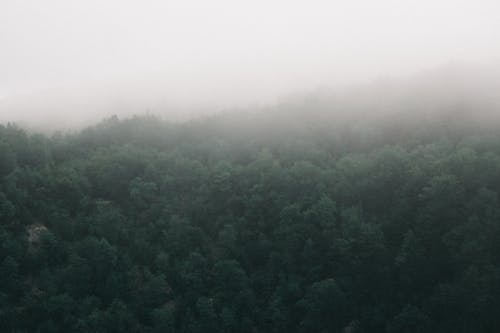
{"type": "Point", "coordinates": [253, 49]}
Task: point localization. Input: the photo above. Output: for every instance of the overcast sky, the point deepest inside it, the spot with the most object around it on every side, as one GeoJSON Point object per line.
{"type": "Point", "coordinates": [248, 51]}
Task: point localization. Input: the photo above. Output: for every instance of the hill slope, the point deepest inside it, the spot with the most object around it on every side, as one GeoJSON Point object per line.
{"type": "Point", "coordinates": [272, 222]}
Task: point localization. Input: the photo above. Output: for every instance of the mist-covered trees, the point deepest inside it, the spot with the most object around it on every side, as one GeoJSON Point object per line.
{"type": "Point", "coordinates": [245, 225]}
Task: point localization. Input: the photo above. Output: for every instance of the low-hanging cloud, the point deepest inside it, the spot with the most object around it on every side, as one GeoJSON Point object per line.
{"type": "Point", "coordinates": [82, 60]}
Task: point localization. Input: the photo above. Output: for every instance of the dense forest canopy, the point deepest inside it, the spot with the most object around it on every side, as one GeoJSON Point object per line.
{"type": "Point", "coordinates": [288, 221]}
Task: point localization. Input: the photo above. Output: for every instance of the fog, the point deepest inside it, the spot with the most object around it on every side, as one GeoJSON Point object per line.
{"type": "Point", "coordinates": [70, 63]}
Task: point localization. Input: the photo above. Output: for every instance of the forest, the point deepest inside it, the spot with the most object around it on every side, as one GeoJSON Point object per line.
{"type": "Point", "coordinates": [273, 222]}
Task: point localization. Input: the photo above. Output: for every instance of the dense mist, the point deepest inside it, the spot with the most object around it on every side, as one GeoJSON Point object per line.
{"type": "Point", "coordinates": [69, 64]}
{"type": "Point", "coordinates": [452, 89]}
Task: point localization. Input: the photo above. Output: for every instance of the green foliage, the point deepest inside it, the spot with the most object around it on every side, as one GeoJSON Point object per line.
{"type": "Point", "coordinates": [232, 225]}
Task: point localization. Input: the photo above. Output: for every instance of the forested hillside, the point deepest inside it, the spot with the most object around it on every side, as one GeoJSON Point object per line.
{"type": "Point", "coordinates": [247, 223]}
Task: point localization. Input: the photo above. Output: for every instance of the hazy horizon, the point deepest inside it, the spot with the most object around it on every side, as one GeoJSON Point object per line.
{"type": "Point", "coordinates": [69, 63]}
